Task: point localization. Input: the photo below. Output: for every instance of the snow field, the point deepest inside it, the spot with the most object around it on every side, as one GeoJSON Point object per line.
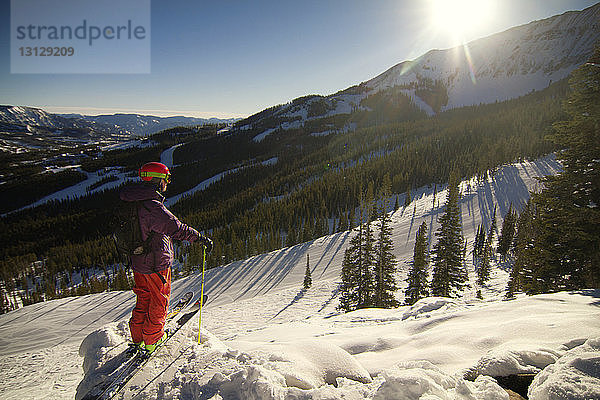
{"type": "Point", "coordinates": [429, 349]}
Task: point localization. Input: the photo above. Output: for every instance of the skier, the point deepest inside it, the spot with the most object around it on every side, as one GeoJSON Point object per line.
{"type": "Point", "coordinates": [152, 270]}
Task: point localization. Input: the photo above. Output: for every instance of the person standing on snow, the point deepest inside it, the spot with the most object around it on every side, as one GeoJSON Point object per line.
{"type": "Point", "coordinates": [152, 270]}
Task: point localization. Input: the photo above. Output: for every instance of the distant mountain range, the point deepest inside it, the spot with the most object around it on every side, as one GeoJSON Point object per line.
{"type": "Point", "coordinates": [502, 66]}
{"type": "Point", "coordinates": [22, 127]}
{"type": "Point", "coordinates": [140, 125]}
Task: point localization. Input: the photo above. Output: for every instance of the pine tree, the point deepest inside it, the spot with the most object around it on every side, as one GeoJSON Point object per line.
{"type": "Point", "coordinates": [417, 276]}
{"type": "Point", "coordinates": [507, 233]}
{"type": "Point", "coordinates": [493, 227]}
{"type": "Point", "coordinates": [567, 248]}
{"type": "Point", "coordinates": [351, 275]}
{"type": "Point", "coordinates": [522, 242]}
{"type": "Point", "coordinates": [385, 266]}
{"type": "Point", "coordinates": [449, 273]}
{"type": "Point", "coordinates": [407, 199]}
{"type": "Point", "coordinates": [478, 245]}
{"type": "Point", "coordinates": [307, 275]}
{"type": "Point", "coordinates": [367, 282]}
{"type": "Point", "coordinates": [484, 266]}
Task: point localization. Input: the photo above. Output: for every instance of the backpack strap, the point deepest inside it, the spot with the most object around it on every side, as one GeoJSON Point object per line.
{"type": "Point", "coordinates": [146, 243]}
{"type": "Point", "coordinates": [148, 240]}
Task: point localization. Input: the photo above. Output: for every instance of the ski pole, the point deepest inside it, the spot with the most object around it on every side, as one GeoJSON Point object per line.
{"type": "Point", "coordinates": [201, 295]}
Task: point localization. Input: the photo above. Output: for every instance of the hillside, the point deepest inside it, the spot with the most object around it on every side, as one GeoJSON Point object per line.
{"type": "Point", "coordinates": [257, 316]}
{"type": "Point", "coordinates": [499, 67]}
{"type": "Point", "coordinates": [287, 189]}
{"type": "Point", "coordinates": [502, 66]}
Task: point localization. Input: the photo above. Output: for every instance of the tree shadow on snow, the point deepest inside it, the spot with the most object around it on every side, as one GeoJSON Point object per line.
{"type": "Point", "coordinates": [595, 293]}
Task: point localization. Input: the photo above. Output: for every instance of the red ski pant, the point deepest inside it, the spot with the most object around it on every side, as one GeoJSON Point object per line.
{"type": "Point", "coordinates": [148, 317]}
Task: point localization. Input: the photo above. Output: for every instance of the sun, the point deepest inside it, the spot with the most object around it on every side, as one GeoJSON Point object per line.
{"type": "Point", "coordinates": [460, 18]}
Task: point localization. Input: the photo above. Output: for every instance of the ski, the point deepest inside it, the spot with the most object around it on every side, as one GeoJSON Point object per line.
{"type": "Point", "coordinates": [143, 358]}
{"type": "Point", "coordinates": [183, 302]}
{"type": "Point", "coordinates": [133, 353]}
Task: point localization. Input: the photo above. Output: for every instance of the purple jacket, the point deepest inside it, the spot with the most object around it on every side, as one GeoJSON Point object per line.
{"type": "Point", "coordinates": [154, 217]}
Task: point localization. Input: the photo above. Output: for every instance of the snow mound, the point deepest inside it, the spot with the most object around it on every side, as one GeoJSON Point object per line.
{"type": "Point", "coordinates": [429, 304]}
{"type": "Point", "coordinates": [575, 376]}
{"type": "Point", "coordinates": [423, 380]}
{"type": "Point", "coordinates": [100, 344]}
{"type": "Point", "coordinates": [311, 363]}
{"type": "Point", "coordinates": [103, 352]}
{"type": "Point", "coordinates": [505, 362]}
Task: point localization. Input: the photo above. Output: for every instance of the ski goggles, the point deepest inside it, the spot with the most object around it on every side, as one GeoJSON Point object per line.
{"type": "Point", "coordinates": [151, 174]}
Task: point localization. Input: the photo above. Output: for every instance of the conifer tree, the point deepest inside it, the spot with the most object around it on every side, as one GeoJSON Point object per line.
{"type": "Point", "coordinates": [350, 299]}
{"type": "Point", "coordinates": [522, 241]}
{"type": "Point", "coordinates": [478, 245]}
{"type": "Point", "coordinates": [307, 275]}
{"type": "Point", "coordinates": [493, 227]}
{"type": "Point", "coordinates": [417, 276]}
{"type": "Point", "coordinates": [407, 199]}
{"type": "Point", "coordinates": [484, 266]}
{"type": "Point", "coordinates": [367, 282]}
{"type": "Point", "coordinates": [385, 265]}
{"type": "Point", "coordinates": [449, 273]}
{"type": "Point", "coordinates": [507, 232]}
{"type": "Point", "coordinates": [567, 248]}
{"type": "Point", "coordinates": [343, 225]}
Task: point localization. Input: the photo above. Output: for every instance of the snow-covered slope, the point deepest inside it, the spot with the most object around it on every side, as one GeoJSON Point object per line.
{"type": "Point", "coordinates": [21, 118]}
{"type": "Point", "coordinates": [148, 124]}
{"type": "Point", "coordinates": [23, 128]}
{"type": "Point", "coordinates": [26, 128]}
{"type": "Point", "coordinates": [502, 66]}
{"type": "Point", "coordinates": [505, 65]}
{"type": "Point", "coordinates": [266, 338]}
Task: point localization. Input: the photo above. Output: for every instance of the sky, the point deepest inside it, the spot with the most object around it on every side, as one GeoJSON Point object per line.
{"type": "Point", "coordinates": [235, 58]}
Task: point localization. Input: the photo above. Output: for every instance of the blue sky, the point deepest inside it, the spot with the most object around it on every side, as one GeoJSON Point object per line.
{"type": "Point", "coordinates": [234, 58]}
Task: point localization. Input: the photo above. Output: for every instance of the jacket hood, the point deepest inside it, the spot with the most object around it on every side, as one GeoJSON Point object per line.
{"type": "Point", "coordinates": [140, 192]}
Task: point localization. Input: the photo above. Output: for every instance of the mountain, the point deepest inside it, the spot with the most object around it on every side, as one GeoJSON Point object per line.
{"type": "Point", "coordinates": [141, 125]}
{"type": "Point", "coordinates": [23, 128]}
{"type": "Point", "coordinates": [30, 119]}
{"type": "Point", "coordinates": [502, 66]}
{"type": "Point", "coordinates": [499, 67]}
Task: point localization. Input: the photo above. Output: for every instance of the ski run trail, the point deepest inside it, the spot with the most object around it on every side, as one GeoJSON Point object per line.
{"type": "Point", "coordinates": [264, 337]}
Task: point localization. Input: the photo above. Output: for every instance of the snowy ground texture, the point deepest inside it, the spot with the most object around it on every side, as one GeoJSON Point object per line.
{"type": "Point", "coordinates": [263, 337]}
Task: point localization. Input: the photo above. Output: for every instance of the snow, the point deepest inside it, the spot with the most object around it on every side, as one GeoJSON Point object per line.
{"type": "Point", "coordinates": [140, 143]}
{"type": "Point", "coordinates": [166, 156]}
{"type": "Point", "coordinates": [423, 380]}
{"type": "Point", "coordinates": [207, 182]}
{"type": "Point", "coordinates": [82, 188]}
{"type": "Point", "coordinates": [505, 65]}
{"type": "Point", "coordinates": [261, 136]}
{"type": "Point", "coordinates": [264, 337]}
{"type": "Point", "coordinates": [576, 375]}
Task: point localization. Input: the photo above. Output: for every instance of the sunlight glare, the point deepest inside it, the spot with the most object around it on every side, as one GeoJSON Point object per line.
{"type": "Point", "coordinates": [460, 17]}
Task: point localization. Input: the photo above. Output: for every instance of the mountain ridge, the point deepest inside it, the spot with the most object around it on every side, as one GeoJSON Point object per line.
{"type": "Point", "coordinates": [513, 59]}
{"type": "Point", "coordinates": [24, 127]}
{"type": "Point", "coordinates": [498, 67]}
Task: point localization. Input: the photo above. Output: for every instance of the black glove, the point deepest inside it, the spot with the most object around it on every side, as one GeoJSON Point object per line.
{"type": "Point", "coordinates": [206, 242]}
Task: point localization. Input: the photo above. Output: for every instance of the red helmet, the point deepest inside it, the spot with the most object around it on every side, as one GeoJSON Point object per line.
{"type": "Point", "coordinates": [155, 170]}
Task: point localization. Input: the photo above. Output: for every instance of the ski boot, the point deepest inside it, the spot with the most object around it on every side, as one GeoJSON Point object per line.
{"type": "Point", "coordinates": [150, 348]}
